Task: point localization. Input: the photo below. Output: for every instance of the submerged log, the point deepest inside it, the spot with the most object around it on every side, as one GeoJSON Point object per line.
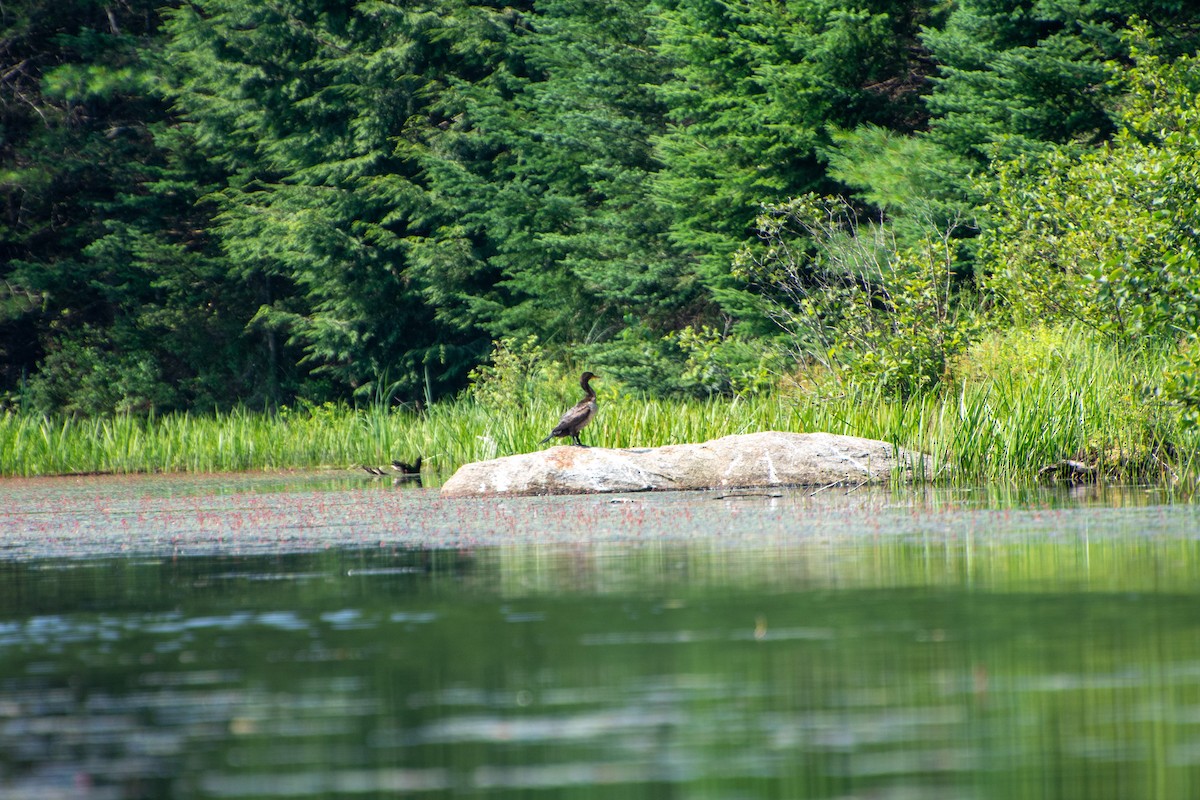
{"type": "Point", "coordinates": [753, 460]}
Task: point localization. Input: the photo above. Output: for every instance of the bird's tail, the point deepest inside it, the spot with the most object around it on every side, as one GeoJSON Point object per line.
{"type": "Point", "coordinates": [548, 438]}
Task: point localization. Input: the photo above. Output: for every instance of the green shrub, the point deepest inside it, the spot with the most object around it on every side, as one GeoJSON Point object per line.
{"type": "Point", "coordinates": [851, 300]}
{"type": "Point", "coordinates": [726, 364]}
{"type": "Point", "coordinates": [694, 361]}
{"type": "Point", "coordinates": [83, 376]}
{"type": "Point", "coordinates": [1180, 386]}
{"type": "Point", "coordinates": [1110, 237]}
{"type": "Point", "coordinates": [510, 375]}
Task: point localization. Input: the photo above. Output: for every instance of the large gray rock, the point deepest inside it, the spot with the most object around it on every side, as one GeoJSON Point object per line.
{"type": "Point", "coordinates": [750, 460]}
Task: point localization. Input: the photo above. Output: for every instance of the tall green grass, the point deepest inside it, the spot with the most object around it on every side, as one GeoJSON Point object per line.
{"type": "Point", "coordinates": [1006, 420]}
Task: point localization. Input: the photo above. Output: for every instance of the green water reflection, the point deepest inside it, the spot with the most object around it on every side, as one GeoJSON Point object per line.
{"type": "Point", "coordinates": [1023, 668]}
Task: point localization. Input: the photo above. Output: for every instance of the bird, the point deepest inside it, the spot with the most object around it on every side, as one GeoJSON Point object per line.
{"type": "Point", "coordinates": [408, 470]}
{"type": "Point", "coordinates": [577, 418]}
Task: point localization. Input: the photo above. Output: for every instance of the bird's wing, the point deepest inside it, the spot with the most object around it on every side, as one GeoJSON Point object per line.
{"type": "Point", "coordinates": [574, 416]}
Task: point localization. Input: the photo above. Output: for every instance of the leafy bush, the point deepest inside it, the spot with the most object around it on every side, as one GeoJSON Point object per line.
{"type": "Point", "coordinates": [1111, 237]}
{"type": "Point", "coordinates": [719, 363]}
{"type": "Point", "coordinates": [1181, 383]}
{"type": "Point", "coordinates": [851, 300]}
{"type": "Point", "coordinates": [694, 361]}
{"type": "Point", "coordinates": [1016, 354]}
{"type": "Point", "coordinates": [509, 376]}
{"type": "Point", "coordinates": [83, 376]}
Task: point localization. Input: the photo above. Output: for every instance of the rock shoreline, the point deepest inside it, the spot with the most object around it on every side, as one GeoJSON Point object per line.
{"type": "Point", "coordinates": [745, 461]}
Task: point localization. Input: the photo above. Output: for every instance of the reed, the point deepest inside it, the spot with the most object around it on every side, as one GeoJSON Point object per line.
{"type": "Point", "coordinates": [1002, 420]}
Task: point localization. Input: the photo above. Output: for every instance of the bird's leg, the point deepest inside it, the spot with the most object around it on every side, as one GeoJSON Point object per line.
{"type": "Point", "coordinates": [577, 442]}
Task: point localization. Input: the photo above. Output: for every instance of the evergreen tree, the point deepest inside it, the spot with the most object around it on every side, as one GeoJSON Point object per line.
{"type": "Point", "coordinates": [111, 300]}
{"type": "Point", "coordinates": [1014, 78]}
{"type": "Point", "coordinates": [550, 163]}
{"type": "Point", "coordinates": [1017, 75]}
{"type": "Point", "coordinates": [319, 111]}
{"type": "Point", "coordinates": [754, 89]}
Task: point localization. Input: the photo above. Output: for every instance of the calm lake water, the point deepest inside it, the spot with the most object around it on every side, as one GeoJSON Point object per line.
{"type": "Point", "coordinates": [314, 636]}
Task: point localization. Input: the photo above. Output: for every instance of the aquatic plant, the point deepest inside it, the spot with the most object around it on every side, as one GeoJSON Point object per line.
{"type": "Point", "coordinates": [1020, 405]}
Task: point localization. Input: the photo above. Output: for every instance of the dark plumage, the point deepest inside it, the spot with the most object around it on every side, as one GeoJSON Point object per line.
{"type": "Point", "coordinates": [408, 469]}
{"type": "Point", "coordinates": [577, 418]}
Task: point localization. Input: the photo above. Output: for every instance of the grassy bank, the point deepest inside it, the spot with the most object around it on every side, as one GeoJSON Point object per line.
{"type": "Point", "coordinates": [1017, 407]}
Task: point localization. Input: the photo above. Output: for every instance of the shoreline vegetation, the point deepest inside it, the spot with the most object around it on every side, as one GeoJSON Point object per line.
{"type": "Point", "coordinates": [1059, 405]}
{"type": "Point", "coordinates": [971, 229]}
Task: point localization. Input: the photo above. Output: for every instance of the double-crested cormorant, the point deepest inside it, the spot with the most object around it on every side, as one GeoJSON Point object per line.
{"type": "Point", "coordinates": [412, 469]}
{"type": "Point", "coordinates": [579, 416]}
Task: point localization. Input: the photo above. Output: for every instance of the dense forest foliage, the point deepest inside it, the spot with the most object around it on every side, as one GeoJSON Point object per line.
{"type": "Point", "coordinates": [215, 203]}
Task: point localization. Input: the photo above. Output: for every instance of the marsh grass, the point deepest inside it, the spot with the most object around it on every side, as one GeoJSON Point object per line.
{"type": "Point", "coordinates": [1017, 408]}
